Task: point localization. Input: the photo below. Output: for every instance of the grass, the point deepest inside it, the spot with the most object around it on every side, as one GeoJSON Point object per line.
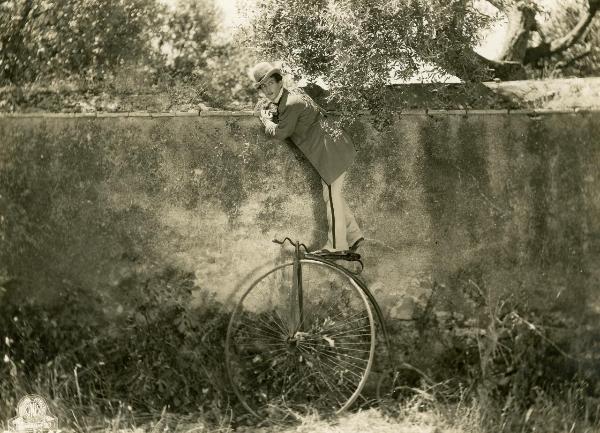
{"type": "Point", "coordinates": [423, 412]}
{"type": "Point", "coordinates": [415, 415]}
{"type": "Point", "coordinates": [158, 367]}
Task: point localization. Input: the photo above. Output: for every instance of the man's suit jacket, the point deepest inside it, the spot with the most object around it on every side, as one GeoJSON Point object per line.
{"type": "Point", "coordinates": [301, 120]}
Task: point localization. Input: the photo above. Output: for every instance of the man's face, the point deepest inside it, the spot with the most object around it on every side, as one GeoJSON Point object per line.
{"type": "Point", "coordinates": [271, 87]}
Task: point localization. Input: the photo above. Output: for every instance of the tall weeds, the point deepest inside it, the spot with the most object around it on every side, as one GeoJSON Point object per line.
{"type": "Point", "coordinates": [162, 350]}
{"type": "Point", "coordinates": [155, 358]}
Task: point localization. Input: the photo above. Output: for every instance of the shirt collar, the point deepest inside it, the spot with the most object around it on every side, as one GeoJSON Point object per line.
{"type": "Point", "coordinates": [279, 95]}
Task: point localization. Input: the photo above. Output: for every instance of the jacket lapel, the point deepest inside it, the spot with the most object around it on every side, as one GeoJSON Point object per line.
{"type": "Point", "coordinates": [283, 100]}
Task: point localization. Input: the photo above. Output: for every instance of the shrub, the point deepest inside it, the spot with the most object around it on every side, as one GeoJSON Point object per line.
{"type": "Point", "coordinates": [162, 350]}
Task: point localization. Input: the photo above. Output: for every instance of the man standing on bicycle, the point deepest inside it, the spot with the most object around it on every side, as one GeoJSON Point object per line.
{"type": "Point", "coordinates": [294, 115]}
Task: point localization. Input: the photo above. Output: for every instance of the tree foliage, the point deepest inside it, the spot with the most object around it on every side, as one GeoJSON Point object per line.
{"type": "Point", "coordinates": [357, 46]}
{"type": "Point", "coordinates": [135, 46]}
{"type": "Point", "coordinates": [45, 39]}
{"type": "Point", "coordinates": [223, 77]}
{"type": "Point", "coordinates": [186, 35]}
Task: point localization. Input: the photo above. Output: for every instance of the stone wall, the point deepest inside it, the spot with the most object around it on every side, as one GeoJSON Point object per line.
{"type": "Point", "coordinates": [506, 203]}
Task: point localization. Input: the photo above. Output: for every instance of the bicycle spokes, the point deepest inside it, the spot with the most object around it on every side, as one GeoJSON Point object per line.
{"type": "Point", "coordinates": [308, 342]}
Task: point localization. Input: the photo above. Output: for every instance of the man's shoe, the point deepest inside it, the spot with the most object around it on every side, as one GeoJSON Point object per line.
{"type": "Point", "coordinates": [356, 244]}
{"type": "Point", "coordinates": [320, 251]}
{"type": "Point", "coordinates": [325, 251]}
{"type": "Point", "coordinates": [346, 255]}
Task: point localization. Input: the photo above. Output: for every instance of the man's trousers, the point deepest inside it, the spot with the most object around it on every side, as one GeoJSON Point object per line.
{"type": "Point", "coordinates": [343, 229]}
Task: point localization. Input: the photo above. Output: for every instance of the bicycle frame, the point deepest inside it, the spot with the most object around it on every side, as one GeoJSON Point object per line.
{"type": "Point", "coordinates": [297, 287]}
{"type": "Point", "coordinates": [297, 291]}
{"type": "Point", "coordinates": [325, 344]}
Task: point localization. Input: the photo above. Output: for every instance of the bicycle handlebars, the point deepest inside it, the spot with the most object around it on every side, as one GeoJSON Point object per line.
{"type": "Point", "coordinates": [287, 239]}
{"type": "Point", "coordinates": [283, 241]}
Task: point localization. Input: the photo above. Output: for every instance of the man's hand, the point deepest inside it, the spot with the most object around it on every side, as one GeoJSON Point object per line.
{"type": "Point", "coordinates": [260, 105]}
{"type": "Point", "coordinates": [266, 115]}
{"type": "Point", "coordinates": [266, 111]}
{"type": "Point", "coordinates": [270, 127]}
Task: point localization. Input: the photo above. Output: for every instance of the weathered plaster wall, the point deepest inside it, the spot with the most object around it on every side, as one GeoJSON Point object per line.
{"type": "Point", "coordinates": [506, 202]}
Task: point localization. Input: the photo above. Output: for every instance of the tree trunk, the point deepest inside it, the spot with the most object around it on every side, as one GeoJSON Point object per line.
{"type": "Point", "coordinates": [516, 52]}
{"type": "Point", "coordinates": [473, 61]}
{"type": "Point", "coordinates": [564, 42]}
{"type": "Point", "coordinates": [521, 22]}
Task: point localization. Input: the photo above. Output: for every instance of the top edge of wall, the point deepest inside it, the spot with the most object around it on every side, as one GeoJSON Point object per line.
{"type": "Point", "coordinates": [421, 112]}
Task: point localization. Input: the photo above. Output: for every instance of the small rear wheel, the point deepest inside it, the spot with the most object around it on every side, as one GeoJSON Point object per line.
{"type": "Point", "coordinates": [300, 349]}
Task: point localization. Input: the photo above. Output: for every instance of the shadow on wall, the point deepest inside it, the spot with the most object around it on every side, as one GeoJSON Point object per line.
{"type": "Point", "coordinates": [509, 205]}
{"type": "Point", "coordinates": [506, 201]}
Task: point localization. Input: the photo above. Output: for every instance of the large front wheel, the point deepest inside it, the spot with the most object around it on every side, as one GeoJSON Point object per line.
{"type": "Point", "coordinates": [300, 342]}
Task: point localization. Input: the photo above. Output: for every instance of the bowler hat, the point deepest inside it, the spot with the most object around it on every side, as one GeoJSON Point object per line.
{"type": "Point", "coordinates": [263, 70]}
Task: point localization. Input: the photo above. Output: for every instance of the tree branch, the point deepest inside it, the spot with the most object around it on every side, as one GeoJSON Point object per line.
{"type": "Point", "coordinates": [498, 4]}
{"type": "Point", "coordinates": [548, 48]}
{"type": "Point", "coordinates": [565, 63]}
{"type": "Point", "coordinates": [504, 70]}
{"type": "Point", "coordinates": [521, 22]}
{"type": "Point", "coordinates": [572, 37]}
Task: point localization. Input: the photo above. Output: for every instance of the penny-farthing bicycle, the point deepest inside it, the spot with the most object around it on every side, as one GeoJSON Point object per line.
{"type": "Point", "coordinates": [303, 335]}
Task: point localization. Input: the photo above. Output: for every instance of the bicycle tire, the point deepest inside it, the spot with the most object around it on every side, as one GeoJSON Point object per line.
{"type": "Point", "coordinates": [325, 365]}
